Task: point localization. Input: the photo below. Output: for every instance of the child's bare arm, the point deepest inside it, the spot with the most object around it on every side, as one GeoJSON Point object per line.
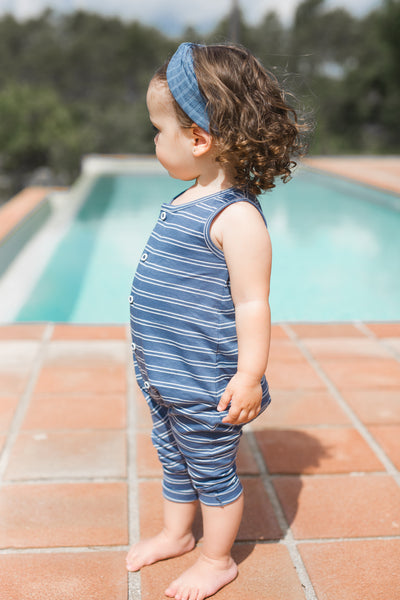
{"type": "Point", "coordinates": [242, 234]}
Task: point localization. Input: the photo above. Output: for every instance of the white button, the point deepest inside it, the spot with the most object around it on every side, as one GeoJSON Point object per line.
{"type": "Point", "coordinates": [130, 299]}
{"type": "Point", "coordinates": [163, 215]}
{"type": "Point", "coordinates": [133, 346]}
{"type": "Point", "coordinates": [146, 385]}
{"type": "Point", "coordinates": [144, 256]}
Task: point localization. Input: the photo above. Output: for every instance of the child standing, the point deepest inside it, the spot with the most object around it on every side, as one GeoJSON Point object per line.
{"type": "Point", "coordinates": [200, 315]}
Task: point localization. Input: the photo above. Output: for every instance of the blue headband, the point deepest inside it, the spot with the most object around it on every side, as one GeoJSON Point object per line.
{"type": "Point", "coordinates": [183, 86]}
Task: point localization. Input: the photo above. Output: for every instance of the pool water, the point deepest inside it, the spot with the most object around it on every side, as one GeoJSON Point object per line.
{"type": "Point", "coordinates": [336, 249]}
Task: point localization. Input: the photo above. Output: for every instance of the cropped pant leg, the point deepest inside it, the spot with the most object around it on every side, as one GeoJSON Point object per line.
{"type": "Point", "coordinates": [177, 485]}
{"type": "Point", "coordinates": [197, 452]}
{"type": "Point", "coordinates": [198, 459]}
{"type": "Point", "coordinates": [209, 450]}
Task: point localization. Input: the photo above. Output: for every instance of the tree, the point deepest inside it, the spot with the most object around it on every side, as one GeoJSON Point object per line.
{"type": "Point", "coordinates": [268, 40]}
{"type": "Point", "coordinates": [372, 82]}
{"type": "Point", "coordinates": [35, 130]}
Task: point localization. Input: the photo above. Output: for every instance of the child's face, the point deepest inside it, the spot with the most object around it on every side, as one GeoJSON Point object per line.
{"type": "Point", "coordinates": [174, 144]}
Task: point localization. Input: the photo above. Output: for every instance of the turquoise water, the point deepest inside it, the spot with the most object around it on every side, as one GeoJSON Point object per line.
{"type": "Point", "coordinates": [336, 249]}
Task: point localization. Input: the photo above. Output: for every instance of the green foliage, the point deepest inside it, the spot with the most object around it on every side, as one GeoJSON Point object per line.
{"type": "Point", "coordinates": [75, 84]}
{"type": "Point", "coordinates": [35, 129]}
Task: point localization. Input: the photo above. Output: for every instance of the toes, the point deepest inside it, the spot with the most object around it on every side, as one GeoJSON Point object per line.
{"type": "Point", "coordinates": [176, 592]}
{"type": "Point", "coordinates": [179, 595]}
{"type": "Point", "coordinates": [183, 595]}
{"type": "Point", "coordinates": [171, 590]}
{"type": "Point", "coordinates": [194, 595]}
{"type": "Point", "coordinates": [130, 564]}
{"type": "Point", "coordinates": [131, 560]}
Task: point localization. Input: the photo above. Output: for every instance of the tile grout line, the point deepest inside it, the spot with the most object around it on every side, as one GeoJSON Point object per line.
{"type": "Point", "coordinates": [62, 550]}
{"type": "Point", "coordinates": [78, 430]}
{"type": "Point", "coordinates": [288, 539]}
{"type": "Point", "coordinates": [367, 538]}
{"type": "Point", "coordinates": [356, 422]}
{"type": "Point", "coordinates": [95, 480]}
{"type": "Point", "coordinates": [244, 542]}
{"type": "Point", "coordinates": [381, 341]}
{"type": "Point", "coordinates": [134, 579]}
{"type": "Point", "coordinates": [24, 401]}
{"type": "Point", "coordinates": [335, 475]}
{"type": "Point", "coordinates": [62, 481]}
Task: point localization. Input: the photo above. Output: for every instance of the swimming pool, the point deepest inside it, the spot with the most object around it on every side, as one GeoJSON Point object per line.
{"type": "Point", "coordinates": [336, 248]}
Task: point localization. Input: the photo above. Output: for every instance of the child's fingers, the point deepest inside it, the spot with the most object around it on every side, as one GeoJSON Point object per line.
{"type": "Point", "coordinates": [234, 416]}
{"type": "Point", "coordinates": [239, 417]}
{"type": "Point", "coordinates": [233, 420]}
{"type": "Point", "coordinates": [230, 419]}
{"type": "Point", "coordinates": [224, 400]}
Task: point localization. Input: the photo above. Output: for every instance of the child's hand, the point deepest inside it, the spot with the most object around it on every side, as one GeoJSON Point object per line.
{"type": "Point", "coordinates": [244, 394]}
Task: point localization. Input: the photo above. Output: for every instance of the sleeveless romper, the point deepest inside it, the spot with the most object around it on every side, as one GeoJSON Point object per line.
{"type": "Point", "coordinates": [185, 350]}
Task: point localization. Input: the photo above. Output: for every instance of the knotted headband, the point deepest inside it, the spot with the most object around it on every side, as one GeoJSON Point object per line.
{"type": "Point", "coordinates": [183, 85]}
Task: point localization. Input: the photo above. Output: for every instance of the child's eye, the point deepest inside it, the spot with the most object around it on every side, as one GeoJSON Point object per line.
{"type": "Point", "coordinates": [155, 130]}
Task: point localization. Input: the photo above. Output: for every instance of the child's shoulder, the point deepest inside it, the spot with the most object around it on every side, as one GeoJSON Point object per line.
{"type": "Point", "coordinates": [242, 211]}
{"type": "Point", "coordinates": [238, 219]}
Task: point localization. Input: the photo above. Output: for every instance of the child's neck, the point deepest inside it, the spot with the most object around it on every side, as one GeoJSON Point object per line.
{"type": "Point", "coordinates": [206, 184]}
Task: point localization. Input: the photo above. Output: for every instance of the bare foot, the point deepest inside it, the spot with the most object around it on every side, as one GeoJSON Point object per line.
{"type": "Point", "coordinates": [159, 547]}
{"type": "Point", "coordinates": [203, 579]}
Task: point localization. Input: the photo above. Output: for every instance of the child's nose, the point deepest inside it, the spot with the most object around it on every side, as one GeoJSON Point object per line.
{"type": "Point", "coordinates": [156, 138]}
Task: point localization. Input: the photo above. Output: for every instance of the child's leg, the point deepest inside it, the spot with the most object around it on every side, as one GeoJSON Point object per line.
{"type": "Point", "coordinates": [215, 566]}
{"type": "Point", "coordinates": [179, 510]}
{"type": "Point", "coordinates": [174, 539]}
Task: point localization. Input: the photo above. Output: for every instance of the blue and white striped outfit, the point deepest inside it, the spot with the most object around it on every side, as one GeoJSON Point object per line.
{"type": "Point", "coordinates": [185, 350]}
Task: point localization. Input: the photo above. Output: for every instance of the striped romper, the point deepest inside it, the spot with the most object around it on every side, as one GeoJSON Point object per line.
{"type": "Point", "coordinates": [185, 350]}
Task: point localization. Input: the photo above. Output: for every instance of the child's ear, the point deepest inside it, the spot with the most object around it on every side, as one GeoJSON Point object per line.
{"type": "Point", "coordinates": [201, 139]}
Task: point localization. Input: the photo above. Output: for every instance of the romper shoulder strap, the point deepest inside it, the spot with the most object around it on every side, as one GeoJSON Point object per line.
{"type": "Point", "coordinates": [232, 197]}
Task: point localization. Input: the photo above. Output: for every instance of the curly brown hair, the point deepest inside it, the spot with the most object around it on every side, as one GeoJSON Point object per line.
{"type": "Point", "coordinates": [254, 128]}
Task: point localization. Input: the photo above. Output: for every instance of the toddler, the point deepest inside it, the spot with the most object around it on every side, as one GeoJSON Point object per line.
{"type": "Point", "coordinates": [200, 315]}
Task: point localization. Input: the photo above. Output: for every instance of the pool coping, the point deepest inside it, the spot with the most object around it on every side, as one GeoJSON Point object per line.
{"type": "Point", "coordinates": [378, 172]}
{"type": "Point", "coordinates": [22, 205]}
{"type": "Point", "coordinates": [21, 218]}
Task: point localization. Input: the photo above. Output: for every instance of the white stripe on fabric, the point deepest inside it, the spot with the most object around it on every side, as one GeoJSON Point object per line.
{"type": "Point", "coordinates": [176, 287]}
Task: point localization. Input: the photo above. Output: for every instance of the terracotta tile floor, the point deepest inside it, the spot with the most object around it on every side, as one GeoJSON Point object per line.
{"type": "Point", "coordinates": [80, 480]}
